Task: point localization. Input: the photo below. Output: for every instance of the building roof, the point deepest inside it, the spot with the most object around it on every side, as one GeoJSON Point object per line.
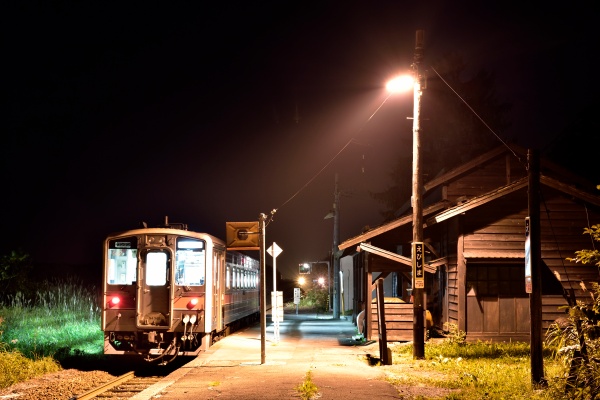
{"type": "Point", "coordinates": [443, 210]}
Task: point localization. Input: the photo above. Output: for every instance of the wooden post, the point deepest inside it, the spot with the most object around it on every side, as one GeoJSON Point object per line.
{"type": "Point", "coordinates": [535, 298]}
{"type": "Point", "coordinates": [263, 290]}
{"type": "Point", "coordinates": [368, 297]}
{"type": "Point", "coordinates": [383, 349]}
{"type": "Point", "coordinates": [417, 206]}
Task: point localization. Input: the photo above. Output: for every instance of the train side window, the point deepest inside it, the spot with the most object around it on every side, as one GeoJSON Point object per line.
{"type": "Point", "coordinates": [122, 265]}
{"type": "Point", "coordinates": [156, 269]}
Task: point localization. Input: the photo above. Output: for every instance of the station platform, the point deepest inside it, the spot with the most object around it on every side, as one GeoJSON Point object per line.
{"type": "Point", "coordinates": [309, 344]}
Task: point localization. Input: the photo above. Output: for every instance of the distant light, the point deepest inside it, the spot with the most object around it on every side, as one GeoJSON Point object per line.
{"type": "Point", "coordinates": [301, 280]}
{"type": "Point", "coordinates": [401, 83]}
{"type": "Point", "coordinates": [321, 281]}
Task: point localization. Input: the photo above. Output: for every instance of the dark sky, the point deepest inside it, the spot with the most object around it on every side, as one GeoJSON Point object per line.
{"type": "Point", "coordinates": [122, 112]}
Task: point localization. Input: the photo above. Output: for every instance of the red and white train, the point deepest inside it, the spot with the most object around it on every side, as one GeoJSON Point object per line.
{"type": "Point", "coordinates": [168, 291]}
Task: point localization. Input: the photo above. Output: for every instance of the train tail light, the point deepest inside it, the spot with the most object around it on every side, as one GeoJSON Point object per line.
{"type": "Point", "coordinates": [114, 301]}
{"type": "Point", "coordinates": [192, 303]}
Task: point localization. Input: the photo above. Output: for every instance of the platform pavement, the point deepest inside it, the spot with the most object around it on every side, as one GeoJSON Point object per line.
{"type": "Point", "coordinates": [233, 368]}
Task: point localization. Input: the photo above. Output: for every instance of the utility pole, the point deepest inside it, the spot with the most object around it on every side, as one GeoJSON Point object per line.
{"type": "Point", "coordinates": [535, 297]}
{"type": "Point", "coordinates": [263, 288]}
{"type": "Point", "coordinates": [336, 252]}
{"type": "Point", "coordinates": [417, 206]}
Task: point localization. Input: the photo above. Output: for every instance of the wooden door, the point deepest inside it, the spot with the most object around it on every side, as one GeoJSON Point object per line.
{"type": "Point", "coordinates": [497, 305]}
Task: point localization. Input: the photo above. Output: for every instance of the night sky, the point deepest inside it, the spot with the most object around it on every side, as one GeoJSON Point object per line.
{"type": "Point", "coordinates": [122, 112]}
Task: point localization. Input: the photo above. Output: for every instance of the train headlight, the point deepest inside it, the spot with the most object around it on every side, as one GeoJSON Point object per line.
{"type": "Point", "coordinates": [115, 300]}
{"type": "Point", "coordinates": [192, 303]}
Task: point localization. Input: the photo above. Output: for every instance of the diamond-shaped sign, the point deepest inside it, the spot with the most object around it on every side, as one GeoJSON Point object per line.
{"type": "Point", "coordinates": [274, 250]}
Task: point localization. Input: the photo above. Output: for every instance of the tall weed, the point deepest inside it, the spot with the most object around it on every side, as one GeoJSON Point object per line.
{"type": "Point", "coordinates": [575, 342]}
{"type": "Point", "coordinates": [59, 315]}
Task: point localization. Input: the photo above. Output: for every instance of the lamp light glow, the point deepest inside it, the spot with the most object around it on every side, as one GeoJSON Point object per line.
{"type": "Point", "coordinates": [401, 83]}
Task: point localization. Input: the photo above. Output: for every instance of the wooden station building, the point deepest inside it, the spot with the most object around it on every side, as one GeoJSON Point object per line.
{"type": "Point", "coordinates": [474, 233]}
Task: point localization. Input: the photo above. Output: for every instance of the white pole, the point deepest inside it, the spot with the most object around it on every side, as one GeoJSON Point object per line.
{"type": "Point", "coordinates": [274, 251]}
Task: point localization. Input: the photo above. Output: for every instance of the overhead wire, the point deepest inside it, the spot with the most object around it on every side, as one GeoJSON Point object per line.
{"type": "Point", "coordinates": [351, 141]}
{"type": "Point", "coordinates": [317, 174]}
{"type": "Point", "coordinates": [564, 267]}
{"type": "Point", "coordinates": [477, 115]}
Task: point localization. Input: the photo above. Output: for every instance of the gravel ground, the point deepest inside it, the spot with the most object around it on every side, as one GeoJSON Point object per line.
{"type": "Point", "coordinates": [56, 385]}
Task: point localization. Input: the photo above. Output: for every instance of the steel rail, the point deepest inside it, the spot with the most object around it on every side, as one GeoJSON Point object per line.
{"type": "Point", "coordinates": [105, 387]}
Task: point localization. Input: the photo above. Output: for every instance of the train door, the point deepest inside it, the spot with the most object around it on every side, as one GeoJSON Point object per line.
{"type": "Point", "coordinates": [216, 271]}
{"type": "Point", "coordinates": [154, 289]}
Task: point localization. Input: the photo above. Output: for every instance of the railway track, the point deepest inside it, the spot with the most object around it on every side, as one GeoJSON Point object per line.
{"type": "Point", "coordinates": [122, 387]}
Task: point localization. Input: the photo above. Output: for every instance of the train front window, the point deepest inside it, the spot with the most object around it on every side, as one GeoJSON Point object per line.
{"type": "Point", "coordinates": [156, 269]}
{"type": "Point", "coordinates": [121, 262]}
{"type": "Point", "coordinates": [191, 262]}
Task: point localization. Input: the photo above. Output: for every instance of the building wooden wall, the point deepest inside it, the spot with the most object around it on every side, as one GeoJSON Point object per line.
{"type": "Point", "coordinates": [484, 227]}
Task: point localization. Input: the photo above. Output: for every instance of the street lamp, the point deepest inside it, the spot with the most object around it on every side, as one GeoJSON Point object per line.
{"type": "Point", "coordinates": [416, 199]}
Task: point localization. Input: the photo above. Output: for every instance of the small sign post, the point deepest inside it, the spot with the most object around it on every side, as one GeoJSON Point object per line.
{"type": "Point", "coordinates": [276, 313]}
{"type": "Point", "coordinates": [297, 298]}
{"type": "Point", "coordinates": [276, 297]}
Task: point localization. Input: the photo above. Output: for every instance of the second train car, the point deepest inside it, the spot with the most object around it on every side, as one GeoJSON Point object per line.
{"type": "Point", "coordinates": [168, 291]}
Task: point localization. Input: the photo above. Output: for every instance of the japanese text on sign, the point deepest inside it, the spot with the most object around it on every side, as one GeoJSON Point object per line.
{"type": "Point", "coordinates": [418, 269]}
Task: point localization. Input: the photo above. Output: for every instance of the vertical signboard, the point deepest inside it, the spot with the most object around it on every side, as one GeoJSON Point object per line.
{"type": "Point", "coordinates": [296, 295]}
{"type": "Point", "coordinates": [418, 265]}
{"type": "Point", "coordinates": [528, 284]}
{"type": "Point", "coordinates": [277, 306]}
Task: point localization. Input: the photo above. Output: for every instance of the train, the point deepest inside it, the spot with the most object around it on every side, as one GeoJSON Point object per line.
{"type": "Point", "coordinates": [168, 292]}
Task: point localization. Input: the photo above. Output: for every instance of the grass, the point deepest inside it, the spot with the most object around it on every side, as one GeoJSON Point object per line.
{"type": "Point", "coordinates": [39, 331]}
{"type": "Point", "coordinates": [60, 322]}
{"type": "Point", "coordinates": [307, 389]}
{"type": "Point", "coordinates": [15, 368]}
{"type": "Point", "coordinates": [481, 370]}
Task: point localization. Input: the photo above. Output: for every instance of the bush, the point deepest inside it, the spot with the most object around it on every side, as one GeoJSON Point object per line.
{"type": "Point", "coordinates": [454, 335]}
{"type": "Point", "coordinates": [14, 367]}
{"type": "Point", "coordinates": [316, 298]}
{"type": "Point", "coordinates": [576, 343]}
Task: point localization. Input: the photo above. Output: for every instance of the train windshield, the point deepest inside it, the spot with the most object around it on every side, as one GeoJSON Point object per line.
{"type": "Point", "coordinates": [191, 262]}
{"type": "Point", "coordinates": [121, 262]}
